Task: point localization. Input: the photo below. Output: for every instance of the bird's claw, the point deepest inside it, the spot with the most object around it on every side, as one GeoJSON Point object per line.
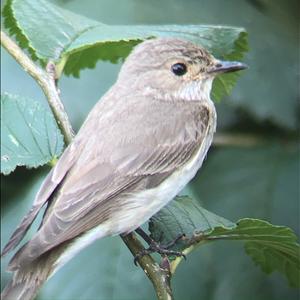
{"type": "Point", "coordinates": [163, 250]}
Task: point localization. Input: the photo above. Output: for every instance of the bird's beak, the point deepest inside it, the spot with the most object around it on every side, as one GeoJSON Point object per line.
{"type": "Point", "coordinates": [227, 66]}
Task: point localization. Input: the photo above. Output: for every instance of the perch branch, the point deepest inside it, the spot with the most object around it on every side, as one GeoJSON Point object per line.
{"type": "Point", "coordinates": [160, 277]}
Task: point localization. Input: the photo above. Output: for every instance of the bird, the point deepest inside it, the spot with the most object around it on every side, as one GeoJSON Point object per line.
{"type": "Point", "coordinates": [143, 141]}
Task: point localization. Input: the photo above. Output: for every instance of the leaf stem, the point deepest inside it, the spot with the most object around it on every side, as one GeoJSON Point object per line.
{"type": "Point", "coordinates": [45, 81]}
{"type": "Point", "coordinates": [160, 277]}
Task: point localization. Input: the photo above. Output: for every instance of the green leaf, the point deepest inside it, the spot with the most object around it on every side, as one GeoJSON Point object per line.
{"type": "Point", "coordinates": [29, 135]}
{"type": "Point", "coordinates": [53, 32]}
{"type": "Point", "coordinates": [271, 247]}
{"type": "Point", "coordinates": [223, 84]}
{"type": "Point", "coordinates": [75, 42]}
{"type": "Point", "coordinates": [12, 26]}
{"type": "Point", "coordinates": [114, 42]}
{"type": "Point", "coordinates": [183, 216]}
{"type": "Point", "coordinates": [46, 28]}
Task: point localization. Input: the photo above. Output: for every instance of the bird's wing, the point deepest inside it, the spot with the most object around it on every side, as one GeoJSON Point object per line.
{"type": "Point", "coordinates": [51, 182]}
{"type": "Point", "coordinates": [91, 189]}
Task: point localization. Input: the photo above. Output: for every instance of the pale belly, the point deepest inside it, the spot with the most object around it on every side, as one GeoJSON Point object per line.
{"type": "Point", "coordinates": [149, 202]}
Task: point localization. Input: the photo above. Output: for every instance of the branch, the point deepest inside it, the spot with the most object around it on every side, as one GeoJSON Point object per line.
{"type": "Point", "coordinates": [237, 139]}
{"type": "Point", "coordinates": [160, 277]}
{"type": "Point", "coordinates": [45, 81]}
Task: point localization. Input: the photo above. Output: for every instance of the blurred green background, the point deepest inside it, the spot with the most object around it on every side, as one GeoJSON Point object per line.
{"type": "Point", "coordinates": [261, 180]}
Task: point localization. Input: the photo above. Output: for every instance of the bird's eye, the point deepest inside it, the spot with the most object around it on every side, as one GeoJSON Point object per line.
{"type": "Point", "coordinates": [179, 69]}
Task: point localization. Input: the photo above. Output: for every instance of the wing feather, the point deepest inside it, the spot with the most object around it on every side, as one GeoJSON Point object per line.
{"type": "Point", "coordinates": [51, 182]}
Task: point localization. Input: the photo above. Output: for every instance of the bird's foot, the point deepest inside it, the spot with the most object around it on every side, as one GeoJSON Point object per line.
{"type": "Point", "coordinates": [156, 247]}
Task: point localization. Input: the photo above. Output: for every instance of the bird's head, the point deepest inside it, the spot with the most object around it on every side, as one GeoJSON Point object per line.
{"type": "Point", "coordinates": [171, 68]}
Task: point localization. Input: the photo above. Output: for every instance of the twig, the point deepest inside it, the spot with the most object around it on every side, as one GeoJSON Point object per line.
{"type": "Point", "coordinates": [45, 81]}
{"type": "Point", "coordinates": [236, 139]}
{"type": "Point", "coordinates": [160, 277]}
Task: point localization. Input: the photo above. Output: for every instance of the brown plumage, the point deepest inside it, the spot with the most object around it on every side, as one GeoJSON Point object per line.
{"type": "Point", "coordinates": [138, 147]}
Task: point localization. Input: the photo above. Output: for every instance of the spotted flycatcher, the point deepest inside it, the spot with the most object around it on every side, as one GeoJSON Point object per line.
{"type": "Point", "coordinates": [139, 146]}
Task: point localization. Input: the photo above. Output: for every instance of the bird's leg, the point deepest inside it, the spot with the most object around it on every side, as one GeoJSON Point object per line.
{"type": "Point", "coordinates": [144, 235]}
{"type": "Point", "coordinates": [156, 246]}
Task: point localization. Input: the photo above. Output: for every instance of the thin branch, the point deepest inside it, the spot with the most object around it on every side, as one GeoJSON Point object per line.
{"type": "Point", "coordinates": [45, 81]}
{"type": "Point", "coordinates": [159, 276]}
{"type": "Point", "coordinates": [237, 139]}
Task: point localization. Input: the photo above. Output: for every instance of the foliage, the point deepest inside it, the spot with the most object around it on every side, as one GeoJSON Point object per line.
{"type": "Point", "coordinates": [272, 247]}
{"type": "Point", "coordinates": [29, 134]}
{"type": "Point", "coordinates": [234, 181]}
{"type": "Point", "coordinates": [52, 33]}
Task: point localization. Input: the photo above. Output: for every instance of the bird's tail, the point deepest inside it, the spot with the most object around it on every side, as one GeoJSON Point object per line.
{"type": "Point", "coordinates": [28, 279]}
{"type": "Point", "coordinates": [23, 287]}
{"type": "Point", "coordinates": [19, 290]}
